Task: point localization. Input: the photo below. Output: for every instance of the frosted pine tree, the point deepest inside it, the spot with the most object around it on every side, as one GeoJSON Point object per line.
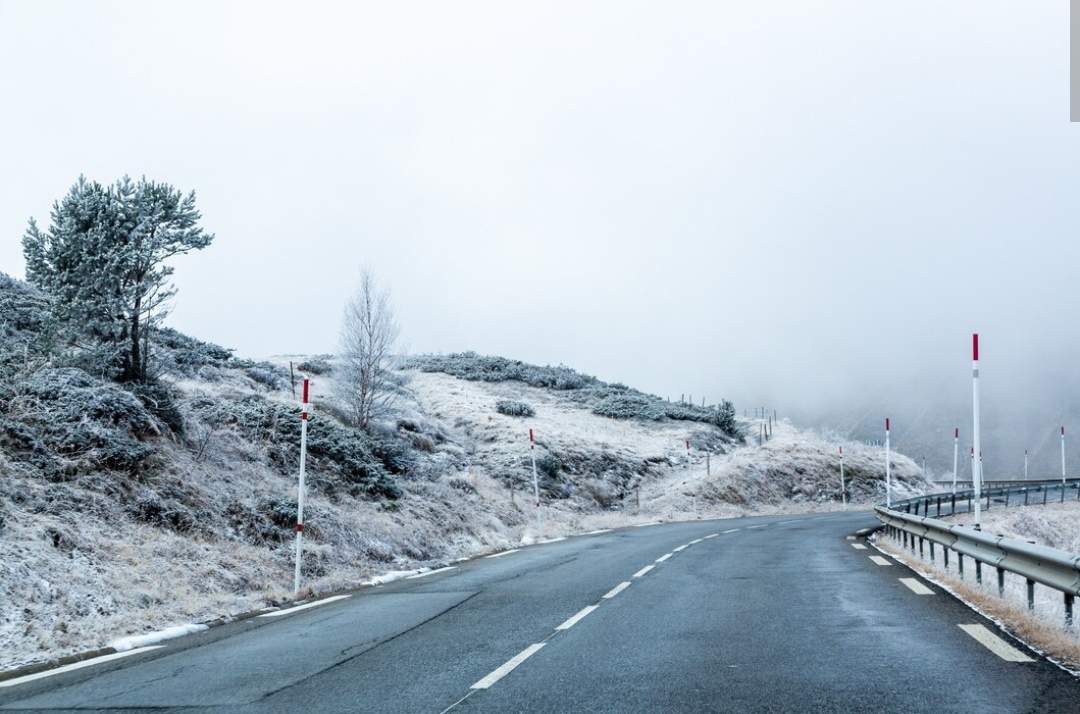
{"type": "Point", "coordinates": [103, 262]}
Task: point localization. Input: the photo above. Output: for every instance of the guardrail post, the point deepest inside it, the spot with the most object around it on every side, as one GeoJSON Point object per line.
{"type": "Point", "coordinates": [1063, 493]}
{"type": "Point", "coordinates": [945, 551]}
{"type": "Point", "coordinates": [1007, 492]}
{"type": "Point", "coordinates": [978, 571]}
{"type": "Point", "coordinates": [953, 505]}
{"type": "Point", "coordinates": [987, 499]}
{"type": "Point", "coordinates": [1031, 593]}
{"type": "Point", "coordinates": [1044, 495]}
{"type": "Point", "coordinates": [920, 546]}
{"type": "Point", "coordinates": [1001, 581]}
{"type": "Point", "coordinates": [1069, 598]}
{"type": "Point", "coordinates": [939, 506]}
{"type": "Point", "coordinates": [1025, 497]}
{"type": "Point", "coordinates": [931, 551]}
{"type": "Point", "coordinates": [960, 564]}
{"type": "Point", "coordinates": [969, 502]}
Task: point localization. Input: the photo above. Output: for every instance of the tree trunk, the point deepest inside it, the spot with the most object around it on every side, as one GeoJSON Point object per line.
{"type": "Point", "coordinates": [135, 371]}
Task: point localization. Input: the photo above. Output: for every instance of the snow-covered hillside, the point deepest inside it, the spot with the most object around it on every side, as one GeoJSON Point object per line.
{"type": "Point", "coordinates": [125, 509]}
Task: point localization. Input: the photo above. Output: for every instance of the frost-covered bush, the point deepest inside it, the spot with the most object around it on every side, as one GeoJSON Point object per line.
{"type": "Point", "coordinates": [514, 409]}
{"type": "Point", "coordinates": [549, 465]}
{"type": "Point", "coordinates": [266, 374]}
{"type": "Point", "coordinates": [479, 368]}
{"type": "Point", "coordinates": [630, 406]}
{"type": "Point", "coordinates": [91, 423]}
{"type": "Point", "coordinates": [161, 400]}
{"type": "Point", "coordinates": [339, 457]}
{"type": "Point", "coordinates": [316, 365]}
{"type": "Point", "coordinates": [186, 356]}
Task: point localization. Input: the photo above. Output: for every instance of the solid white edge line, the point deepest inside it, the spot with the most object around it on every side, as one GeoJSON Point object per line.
{"type": "Point", "coordinates": [995, 644]}
{"type": "Point", "coordinates": [508, 666]}
{"type": "Point", "coordinates": [695, 541]}
{"type": "Point", "coordinates": [617, 589]}
{"type": "Point", "coordinates": [680, 549]}
{"type": "Point", "coordinates": [298, 608]}
{"type": "Point", "coordinates": [663, 557]}
{"type": "Point", "coordinates": [550, 540]}
{"type": "Point", "coordinates": [75, 665]}
{"type": "Point", "coordinates": [431, 572]}
{"type": "Point", "coordinates": [598, 532]}
{"type": "Point", "coordinates": [577, 617]}
{"type": "Point", "coordinates": [501, 553]}
{"type": "Point", "coordinates": [879, 560]}
{"type": "Point", "coordinates": [643, 525]}
{"type": "Point", "coordinates": [644, 571]}
{"type": "Point", "coordinates": [711, 535]}
{"type": "Point", "coordinates": [916, 587]}
{"type": "Point", "coordinates": [858, 546]}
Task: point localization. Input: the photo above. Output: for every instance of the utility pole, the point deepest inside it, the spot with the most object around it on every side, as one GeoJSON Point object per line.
{"type": "Point", "coordinates": [300, 490]}
{"type": "Point", "coordinates": [976, 449]}
{"type": "Point", "coordinates": [888, 468]}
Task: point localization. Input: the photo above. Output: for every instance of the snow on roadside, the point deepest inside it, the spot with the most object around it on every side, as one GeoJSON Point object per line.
{"type": "Point", "coordinates": [135, 641]}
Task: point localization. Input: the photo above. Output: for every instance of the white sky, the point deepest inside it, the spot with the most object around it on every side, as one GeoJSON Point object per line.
{"type": "Point", "coordinates": [803, 204]}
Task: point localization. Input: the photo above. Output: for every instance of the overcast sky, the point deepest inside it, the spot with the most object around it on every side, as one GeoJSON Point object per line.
{"type": "Point", "coordinates": [810, 205]}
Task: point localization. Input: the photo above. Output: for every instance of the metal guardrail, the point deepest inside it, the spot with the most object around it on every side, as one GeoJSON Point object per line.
{"type": "Point", "coordinates": [1051, 567]}
{"type": "Point", "coordinates": [1030, 493]}
{"type": "Point", "coordinates": [995, 482]}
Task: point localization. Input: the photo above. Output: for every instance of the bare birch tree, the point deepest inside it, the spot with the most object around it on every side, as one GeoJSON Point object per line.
{"type": "Point", "coordinates": [368, 335]}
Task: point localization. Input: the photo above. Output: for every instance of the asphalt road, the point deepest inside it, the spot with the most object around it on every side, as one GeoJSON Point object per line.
{"type": "Point", "coordinates": [771, 614]}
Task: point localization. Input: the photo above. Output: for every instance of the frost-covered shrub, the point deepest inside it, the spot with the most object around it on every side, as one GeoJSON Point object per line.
{"type": "Point", "coordinates": [479, 368]}
{"type": "Point", "coordinates": [630, 406]}
{"type": "Point", "coordinates": [315, 365]}
{"type": "Point", "coordinates": [266, 374]}
{"type": "Point", "coordinates": [338, 457]}
{"type": "Point", "coordinates": [93, 423]}
{"type": "Point", "coordinates": [161, 400]}
{"type": "Point", "coordinates": [548, 464]}
{"type": "Point", "coordinates": [186, 356]}
{"type": "Point", "coordinates": [514, 409]}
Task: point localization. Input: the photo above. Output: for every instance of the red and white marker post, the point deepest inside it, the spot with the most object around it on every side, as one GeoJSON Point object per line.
{"type": "Point", "coordinates": [843, 487]}
{"type": "Point", "coordinates": [955, 456]}
{"type": "Point", "coordinates": [1063, 457]}
{"type": "Point", "coordinates": [304, 410]}
{"type": "Point", "coordinates": [888, 468]}
{"type": "Point", "coordinates": [536, 485]}
{"type": "Point", "coordinates": [976, 449]}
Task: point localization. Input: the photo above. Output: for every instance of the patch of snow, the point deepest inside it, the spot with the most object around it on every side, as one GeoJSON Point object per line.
{"type": "Point", "coordinates": [135, 641]}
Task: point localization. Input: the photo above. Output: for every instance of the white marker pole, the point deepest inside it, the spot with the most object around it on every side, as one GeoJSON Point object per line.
{"type": "Point", "coordinates": [843, 487]}
{"type": "Point", "coordinates": [1025, 464]}
{"type": "Point", "coordinates": [976, 449]}
{"type": "Point", "coordinates": [687, 456]}
{"type": "Point", "coordinates": [300, 490]}
{"type": "Point", "coordinates": [955, 456]}
{"type": "Point", "coordinates": [1062, 455]}
{"type": "Point", "coordinates": [888, 468]}
{"type": "Point", "coordinates": [536, 484]}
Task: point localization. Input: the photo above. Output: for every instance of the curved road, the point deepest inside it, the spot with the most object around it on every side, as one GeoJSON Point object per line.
{"type": "Point", "coordinates": [770, 614]}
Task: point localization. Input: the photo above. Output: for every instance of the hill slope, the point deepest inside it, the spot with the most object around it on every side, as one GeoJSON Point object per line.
{"type": "Point", "coordinates": [124, 509]}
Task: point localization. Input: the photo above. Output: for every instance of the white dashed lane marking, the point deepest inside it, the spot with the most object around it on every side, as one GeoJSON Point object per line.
{"type": "Point", "coordinates": [617, 589]}
{"type": "Point", "coordinates": [995, 644]}
{"type": "Point", "coordinates": [916, 587]}
{"type": "Point", "coordinates": [644, 571]}
{"type": "Point", "coordinates": [879, 560]}
{"type": "Point", "coordinates": [858, 546]}
{"type": "Point", "coordinates": [577, 617]}
{"type": "Point", "coordinates": [508, 667]}
{"type": "Point", "coordinates": [680, 549]}
{"type": "Point", "coordinates": [731, 530]}
{"type": "Point", "coordinates": [663, 557]}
